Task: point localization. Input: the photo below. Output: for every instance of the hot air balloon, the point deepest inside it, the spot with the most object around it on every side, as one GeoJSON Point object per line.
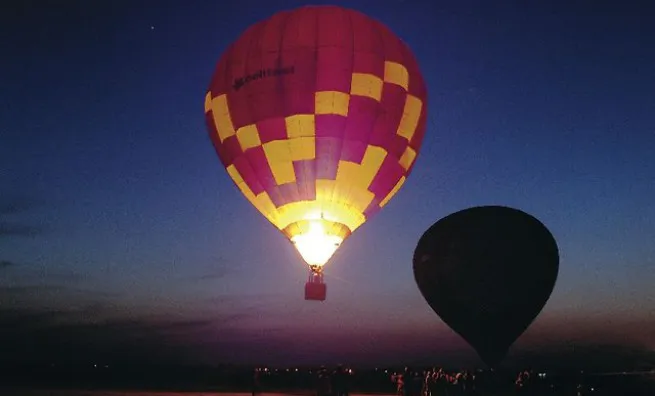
{"type": "Point", "coordinates": [487, 272]}
{"type": "Point", "coordinates": [317, 115]}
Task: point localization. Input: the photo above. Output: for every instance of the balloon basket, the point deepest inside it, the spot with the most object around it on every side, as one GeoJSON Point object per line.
{"type": "Point", "coordinates": [315, 289]}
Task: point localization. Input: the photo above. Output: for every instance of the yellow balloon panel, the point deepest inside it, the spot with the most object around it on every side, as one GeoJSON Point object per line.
{"type": "Point", "coordinates": [307, 181]}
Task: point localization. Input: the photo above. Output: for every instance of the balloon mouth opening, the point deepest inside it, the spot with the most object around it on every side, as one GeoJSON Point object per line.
{"type": "Point", "coordinates": [316, 243]}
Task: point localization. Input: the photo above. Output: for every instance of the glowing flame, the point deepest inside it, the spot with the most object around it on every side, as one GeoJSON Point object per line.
{"type": "Point", "coordinates": [315, 246]}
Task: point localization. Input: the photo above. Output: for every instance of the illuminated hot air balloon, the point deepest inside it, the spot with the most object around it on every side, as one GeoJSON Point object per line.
{"type": "Point", "coordinates": [487, 272]}
{"type": "Point", "coordinates": [318, 116]}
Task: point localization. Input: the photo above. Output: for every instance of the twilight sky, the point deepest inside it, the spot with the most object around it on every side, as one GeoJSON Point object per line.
{"type": "Point", "coordinates": [121, 235]}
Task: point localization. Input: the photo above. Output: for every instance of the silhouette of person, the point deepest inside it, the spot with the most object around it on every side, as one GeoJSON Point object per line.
{"type": "Point", "coordinates": [256, 382]}
{"type": "Point", "coordinates": [339, 382]}
{"type": "Point", "coordinates": [323, 386]}
{"type": "Point", "coordinates": [397, 378]}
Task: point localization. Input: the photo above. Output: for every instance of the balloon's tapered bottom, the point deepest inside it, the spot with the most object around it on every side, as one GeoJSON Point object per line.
{"type": "Point", "coordinates": [315, 289]}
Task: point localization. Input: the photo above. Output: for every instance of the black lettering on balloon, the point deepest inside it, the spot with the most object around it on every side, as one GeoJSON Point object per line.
{"type": "Point", "coordinates": [263, 73]}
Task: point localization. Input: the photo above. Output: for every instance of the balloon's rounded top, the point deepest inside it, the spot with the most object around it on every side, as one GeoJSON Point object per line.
{"type": "Point", "coordinates": [487, 271]}
{"type": "Point", "coordinates": [318, 114]}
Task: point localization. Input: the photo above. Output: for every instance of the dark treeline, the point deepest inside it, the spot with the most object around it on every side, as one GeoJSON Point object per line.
{"type": "Point", "coordinates": [234, 378]}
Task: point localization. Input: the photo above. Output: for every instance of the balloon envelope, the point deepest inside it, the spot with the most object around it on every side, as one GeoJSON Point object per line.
{"type": "Point", "coordinates": [318, 115]}
{"type": "Point", "coordinates": [487, 272]}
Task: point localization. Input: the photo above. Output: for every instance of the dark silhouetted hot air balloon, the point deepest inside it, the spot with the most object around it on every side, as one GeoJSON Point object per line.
{"type": "Point", "coordinates": [318, 116]}
{"type": "Point", "coordinates": [487, 272]}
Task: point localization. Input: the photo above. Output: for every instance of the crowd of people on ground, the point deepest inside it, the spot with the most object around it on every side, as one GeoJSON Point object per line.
{"type": "Point", "coordinates": [432, 382]}
{"type": "Point", "coordinates": [438, 382]}
{"type": "Point", "coordinates": [333, 383]}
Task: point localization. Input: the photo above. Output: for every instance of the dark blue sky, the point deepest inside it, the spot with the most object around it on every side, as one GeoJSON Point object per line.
{"type": "Point", "coordinates": [119, 222]}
